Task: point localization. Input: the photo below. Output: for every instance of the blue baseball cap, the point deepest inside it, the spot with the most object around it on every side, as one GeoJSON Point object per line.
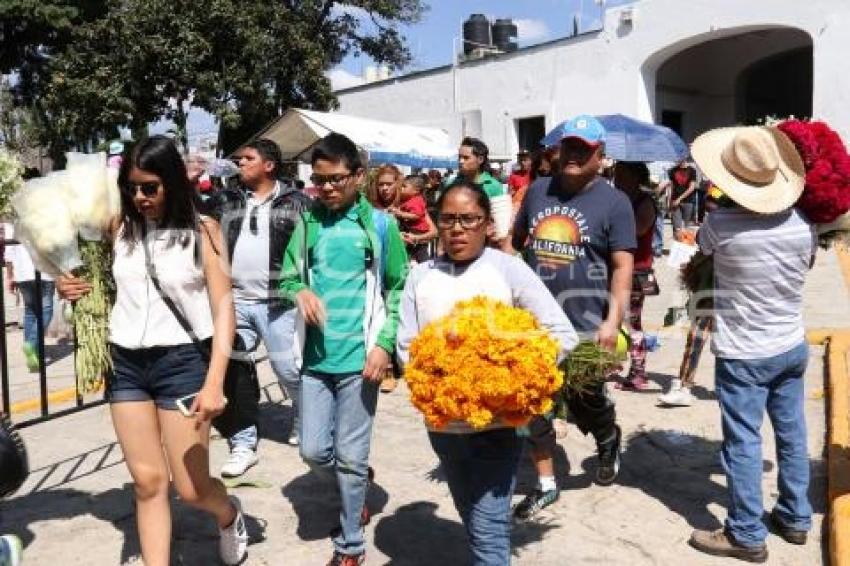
{"type": "Point", "coordinates": [585, 127]}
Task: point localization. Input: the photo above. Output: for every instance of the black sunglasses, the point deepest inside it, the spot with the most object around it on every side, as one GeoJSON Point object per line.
{"type": "Point", "coordinates": [252, 220]}
{"type": "Point", "coordinates": [148, 189]}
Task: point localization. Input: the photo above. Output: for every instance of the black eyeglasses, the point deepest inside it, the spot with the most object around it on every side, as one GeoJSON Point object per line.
{"type": "Point", "coordinates": [335, 180]}
{"type": "Point", "coordinates": [148, 189]}
{"type": "Point", "coordinates": [467, 221]}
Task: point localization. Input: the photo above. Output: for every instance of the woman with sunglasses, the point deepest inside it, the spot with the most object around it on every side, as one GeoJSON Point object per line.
{"type": "Point", "coordinates": [163, 251]}
{"type": "Point", "coordinates": [480, 465]}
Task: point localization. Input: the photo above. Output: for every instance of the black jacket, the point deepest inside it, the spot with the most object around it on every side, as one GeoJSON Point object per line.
{"type": "Point", "coordinates": [229, 208]}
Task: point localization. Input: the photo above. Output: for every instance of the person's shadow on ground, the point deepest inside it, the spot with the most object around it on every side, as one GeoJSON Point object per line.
{"type": "Point", "coordinates": [194, 533]}
{"type": "Point", "coordinates": [675, 468]}
{"type": "Point", "coordinates": [316, 504]}
{"type": "Point", "coordinates": [408, 537]}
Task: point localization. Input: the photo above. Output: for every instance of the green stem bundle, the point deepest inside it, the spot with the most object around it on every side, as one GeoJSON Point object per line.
{"type": "Point", "coordinates": [587, 365]}
{"type": "Point", "coordinates": [91, 317]}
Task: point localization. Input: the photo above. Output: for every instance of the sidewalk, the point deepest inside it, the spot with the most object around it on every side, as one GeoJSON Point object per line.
{"type": "Point", "coordinates": [77, 507]}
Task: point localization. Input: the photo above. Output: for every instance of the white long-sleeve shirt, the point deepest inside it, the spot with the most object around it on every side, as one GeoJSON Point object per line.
{"type": "Point", "coordinates": [434, 287]}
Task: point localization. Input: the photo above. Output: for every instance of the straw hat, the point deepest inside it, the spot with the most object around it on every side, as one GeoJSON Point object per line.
{"type": "Point", "coordinates": [757, 166]}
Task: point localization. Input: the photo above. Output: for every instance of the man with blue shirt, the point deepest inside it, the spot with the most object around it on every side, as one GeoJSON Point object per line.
{"type": "Point", "coordinates": [578, 234]}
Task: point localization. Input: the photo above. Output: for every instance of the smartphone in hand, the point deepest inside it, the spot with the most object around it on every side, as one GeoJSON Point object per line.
{"type": "Point", "coordinates": [184, 404]}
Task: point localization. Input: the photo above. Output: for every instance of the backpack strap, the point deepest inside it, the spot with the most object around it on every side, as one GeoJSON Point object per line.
{"type": "Point", "coordinates": [382, 220]}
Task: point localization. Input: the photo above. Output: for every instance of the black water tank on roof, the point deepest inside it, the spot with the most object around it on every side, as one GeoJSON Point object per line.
{"type": "Point", "coordinates": [476, 33]}
{"type": "Point", "coordinates": [503, 31]}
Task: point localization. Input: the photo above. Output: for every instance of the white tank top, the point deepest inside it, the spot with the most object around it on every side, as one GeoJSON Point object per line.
{"type": "Point", "coordinates": [140, 318]}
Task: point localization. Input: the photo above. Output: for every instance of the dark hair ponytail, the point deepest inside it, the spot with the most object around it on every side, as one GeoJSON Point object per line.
{"type": "Point", "coordinates": [479, 149]}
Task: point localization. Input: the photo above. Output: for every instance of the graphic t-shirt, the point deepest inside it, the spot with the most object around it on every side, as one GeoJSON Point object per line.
{"type": "Point", "coordinates": [570, 241]}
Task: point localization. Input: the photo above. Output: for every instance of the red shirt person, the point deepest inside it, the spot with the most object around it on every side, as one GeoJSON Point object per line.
{"type": "Point", "coordinates": [520, 178]}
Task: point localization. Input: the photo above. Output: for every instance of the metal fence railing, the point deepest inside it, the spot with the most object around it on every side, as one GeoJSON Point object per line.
{"type": "Point", "coordinates": [43, 411]}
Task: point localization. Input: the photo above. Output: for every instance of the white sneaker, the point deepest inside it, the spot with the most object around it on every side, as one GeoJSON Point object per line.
{"type": "Point", "coordinates": [678, 396]}
{"type": "Point", "coordinates": [293, 439]}
{"type": "Point", "coordinates": [11, 550]}
{"type": "Point", "coordinates": [240, 460]}
{"type": "Point", "coordinates": [233, 540]}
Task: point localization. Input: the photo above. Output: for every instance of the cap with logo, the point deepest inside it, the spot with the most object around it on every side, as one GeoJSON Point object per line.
{"type": "Point", "coordinates": [584, 127]}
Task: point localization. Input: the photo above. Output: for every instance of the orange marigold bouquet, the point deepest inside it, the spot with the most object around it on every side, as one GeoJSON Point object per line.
{"type": "Point", "coordinates": [482, 363]}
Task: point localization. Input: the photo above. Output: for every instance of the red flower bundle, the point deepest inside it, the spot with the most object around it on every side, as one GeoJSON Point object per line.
{"type": "Point", "coordinates": [827, 192]}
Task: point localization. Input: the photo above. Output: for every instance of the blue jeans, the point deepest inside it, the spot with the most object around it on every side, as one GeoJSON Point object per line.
{"type": "Point", "coordinates": [276, 328]}
{"type": "Point", "coordinates": [745, 388]}
{"type": "Point", "coordinates": [27, 289]}
{"type": "Point", "coordinates": [481, 471]}
{"type": "Point", "coordinates": [336, 434]}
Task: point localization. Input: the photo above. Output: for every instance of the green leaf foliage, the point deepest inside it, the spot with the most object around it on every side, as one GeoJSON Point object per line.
{"type": "Point", "coordinates": [89, 67]}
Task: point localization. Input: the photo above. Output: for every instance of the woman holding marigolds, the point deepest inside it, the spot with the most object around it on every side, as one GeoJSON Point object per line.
{"type": "Point", "coordinates": [467, 348]}
{"type": "Point", "coordinates": [166, 261]}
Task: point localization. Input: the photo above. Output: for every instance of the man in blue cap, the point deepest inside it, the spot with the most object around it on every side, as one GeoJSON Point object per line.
{"type": "Point", "coordinates": [578, 234]}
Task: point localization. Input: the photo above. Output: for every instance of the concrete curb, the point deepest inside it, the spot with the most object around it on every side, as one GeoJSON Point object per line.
{"type": "Point", "coordinates": [838, 451]}
{"type": "Point", "coordinates": [837, 366]}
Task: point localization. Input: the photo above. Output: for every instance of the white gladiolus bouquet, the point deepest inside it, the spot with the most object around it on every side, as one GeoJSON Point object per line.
{"type": "Point", "coordinates": [44, 226]}
{"type": "Point", "coordinates": [92, 190]}
{"type": "Point", "coordinates": [62, 220]}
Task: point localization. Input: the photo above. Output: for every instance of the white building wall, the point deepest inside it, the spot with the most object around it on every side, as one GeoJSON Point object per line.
{"type": "Point", "coordinates": [614, 70]}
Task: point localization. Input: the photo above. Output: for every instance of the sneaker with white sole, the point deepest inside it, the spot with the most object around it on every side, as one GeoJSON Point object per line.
{"type": "Point", "coordinates": [11, 550]}
{"type": "Point", "coordinates": [240, 460]}
{"type": "Point", "coordinates": [678, 396]}
{"type": "Point", "coordinates": [293, 439]}
{"type": "Point", "coordinates": [233, 540]}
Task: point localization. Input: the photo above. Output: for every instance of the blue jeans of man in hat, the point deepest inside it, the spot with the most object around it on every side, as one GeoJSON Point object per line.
{"type": "Point", "coordinates": [745, 389]}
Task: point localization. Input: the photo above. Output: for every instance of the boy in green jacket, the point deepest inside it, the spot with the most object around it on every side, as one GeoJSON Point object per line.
{"type": "Point", "coordinates": [344, 268]}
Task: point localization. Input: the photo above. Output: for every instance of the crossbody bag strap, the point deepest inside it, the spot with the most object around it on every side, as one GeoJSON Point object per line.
{"type": "Point", "coordinates": [169, 302]}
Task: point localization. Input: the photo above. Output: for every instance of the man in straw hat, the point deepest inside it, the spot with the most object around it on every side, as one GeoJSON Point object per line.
{"type": "Point", "coordinates": [762, 249]}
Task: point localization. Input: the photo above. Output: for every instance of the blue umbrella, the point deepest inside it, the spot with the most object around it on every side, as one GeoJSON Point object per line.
{"type": "Point", "coordinates": [628, 139]}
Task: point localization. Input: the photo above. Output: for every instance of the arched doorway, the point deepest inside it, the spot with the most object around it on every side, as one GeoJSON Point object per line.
{"type": "Point", "coordinates": [732, 76]}
{"type": "Point", "coordinates": [780, 86]}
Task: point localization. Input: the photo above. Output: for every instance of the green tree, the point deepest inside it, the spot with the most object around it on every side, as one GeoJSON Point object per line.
{"type": "Point", "coordinates": [135, 61]}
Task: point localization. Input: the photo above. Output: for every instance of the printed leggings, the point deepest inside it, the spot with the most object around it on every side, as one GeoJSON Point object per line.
{"type": "Point", "coordinates": [637, 352]}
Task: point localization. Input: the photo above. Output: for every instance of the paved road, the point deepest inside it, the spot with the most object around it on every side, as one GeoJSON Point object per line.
{"type": "Point", "coordinates": [77, 506]}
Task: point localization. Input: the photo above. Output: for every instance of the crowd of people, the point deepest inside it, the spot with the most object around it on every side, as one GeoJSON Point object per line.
{"type": "Point", "coordinates": [337, 278]}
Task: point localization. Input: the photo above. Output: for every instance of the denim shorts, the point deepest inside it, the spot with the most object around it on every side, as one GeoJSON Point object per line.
{"type": "Point", "coordinates": [161, 374]}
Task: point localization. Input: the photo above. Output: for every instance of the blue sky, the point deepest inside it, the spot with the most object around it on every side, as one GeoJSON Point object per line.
{"type": "Point", "coordinates": [431, 39]}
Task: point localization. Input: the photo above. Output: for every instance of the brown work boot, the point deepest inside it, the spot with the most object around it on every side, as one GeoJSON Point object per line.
{"type": "Point", "coordinates": [793, 536]}
{"type": "Point", "coordinates": [719, 543]}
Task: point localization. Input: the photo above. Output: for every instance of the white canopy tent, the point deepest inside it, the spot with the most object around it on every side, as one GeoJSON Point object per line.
{"type": "Point", "coordinates": [385, 142]}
